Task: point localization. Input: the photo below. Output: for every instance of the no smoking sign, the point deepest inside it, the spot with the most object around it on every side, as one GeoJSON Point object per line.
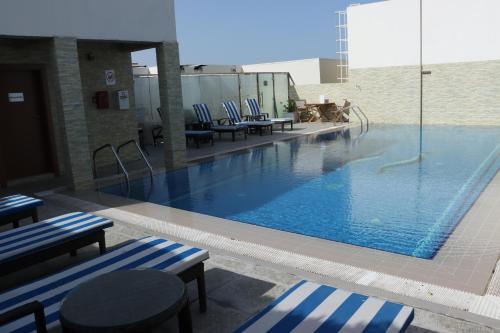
{"type": "Point", "coordinates": [110, 77]}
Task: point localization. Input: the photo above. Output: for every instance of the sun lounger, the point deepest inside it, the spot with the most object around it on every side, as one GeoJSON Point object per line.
{"type": "Point", "coordinates": [205, 119]}
{"type": "Point", "coordinates": [310, 307]}
{"type": "Point", "coordinates": [256, 114]}
{"type": "Point", "coordinates": [47, 239]}
{"type": "Point", "coordinates": [235, 118]}
{"type": "Point", "coordinates": [198, 136]}
{"type": "Point", "coordinates": [17, 207]}
{"type": "Point", "coordinates": [150, 252]}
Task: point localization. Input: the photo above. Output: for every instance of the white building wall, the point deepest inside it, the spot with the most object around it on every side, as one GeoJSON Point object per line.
{"type": "Point", "coordinates": [387, 33]}
{"type": "Point", "coordinates": [305, 71]}
{"type": "Point", "coordinates": [128, 20]}
{"type": "Point", "coordinates": [329, 70]}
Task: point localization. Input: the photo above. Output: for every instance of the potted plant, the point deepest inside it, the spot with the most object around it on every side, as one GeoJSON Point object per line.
{"type": "Point", "coordinates": [291, 108]}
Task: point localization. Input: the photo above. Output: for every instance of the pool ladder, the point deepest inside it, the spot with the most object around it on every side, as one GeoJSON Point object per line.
{"type": "Point", "coordinates": [120, 166]}
{"type": "Point", "coordinates": [358, 112]}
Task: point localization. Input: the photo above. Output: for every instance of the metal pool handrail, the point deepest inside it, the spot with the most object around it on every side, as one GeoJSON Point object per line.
{"type": "Point", "coordinates": [356, 110]}
{"type": "Point", "coordinates": [118, 161]}
{"type": "Point", "coordinates": [144, 158]}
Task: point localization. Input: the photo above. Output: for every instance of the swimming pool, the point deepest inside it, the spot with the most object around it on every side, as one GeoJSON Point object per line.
{"type": "Point", "coordinates": [370, 190]}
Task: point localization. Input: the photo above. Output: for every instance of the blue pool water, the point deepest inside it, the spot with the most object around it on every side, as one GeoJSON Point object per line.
{"type": "Point", "coordinates": [369, 191]}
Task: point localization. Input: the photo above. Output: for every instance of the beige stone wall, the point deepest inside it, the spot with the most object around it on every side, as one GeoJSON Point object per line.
{"type": "Point", "coordinates": [71, 112]}
{"type": "Point", "coordinates": [169, 82]}
{"type": "Point", "coordinates": [460, 93]}
{"type": "Point", "coordinates": [111, 125]}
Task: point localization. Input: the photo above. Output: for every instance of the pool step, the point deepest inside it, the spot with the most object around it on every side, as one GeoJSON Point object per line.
{"type": "Point", "coordinates": [119, 179]}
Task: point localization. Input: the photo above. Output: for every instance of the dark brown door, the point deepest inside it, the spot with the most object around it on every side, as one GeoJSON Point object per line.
{"type": "Point", "coordinates": [24, 141]}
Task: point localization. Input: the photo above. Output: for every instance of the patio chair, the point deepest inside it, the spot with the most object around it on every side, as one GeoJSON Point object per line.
{"type": "Point", "coordinates": [310, 307]}
{"type": "Point", "coordinates": [256, 114]}
{"type": "Point", "coordinates": [50, 291]}
{"type": "Point", "coordinates": [17, 207]}
{"type": "Point", "coordinates": [47, 239]}
{"type": "Point", "coordinates": [344, 112]}
{"type": "Point", "coordinates": [235, 118]}
{"type": "Point", "coordinates": [303, 112]}
{"type": "Point", "coordinates": [206, 121]}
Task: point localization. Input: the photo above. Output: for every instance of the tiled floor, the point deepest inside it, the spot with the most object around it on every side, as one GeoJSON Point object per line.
{"type": "Point", "coordinates": [237, 289]}
{"type": "Point", "coordinates": [250, 292]}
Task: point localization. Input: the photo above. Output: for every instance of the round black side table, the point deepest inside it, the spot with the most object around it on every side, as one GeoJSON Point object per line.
{"type": "Point", "coordinates": [126, 301]}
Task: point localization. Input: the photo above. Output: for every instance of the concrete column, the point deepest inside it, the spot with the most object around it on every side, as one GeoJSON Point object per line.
{"type": "Point", "coordinates": [71, 112]}
{"type": "Point", "coordinates": [169, 78]}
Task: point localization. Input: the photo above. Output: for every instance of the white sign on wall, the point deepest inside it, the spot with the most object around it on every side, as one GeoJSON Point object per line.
{"type": "Point", "coordinates": [110, 77]}
{"type": "Point", "coordinates": [123, 101]}
{"type": "Point", "coordinates": [16, 97]}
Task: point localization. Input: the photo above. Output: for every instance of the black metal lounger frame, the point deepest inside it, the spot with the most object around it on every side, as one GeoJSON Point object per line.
{"type": "Point", "coordinates": [229, 128]}
{"type": "Point", "coordinates": [260, 127]}
{"type": "Point", "coordinates": [70, 245]}
{"type": "Point", "coordinates": [265, 116]}
{"type": "Point", "coordinates": [35, 308]}
{"type": "Point", "coordinates": [16, 217]}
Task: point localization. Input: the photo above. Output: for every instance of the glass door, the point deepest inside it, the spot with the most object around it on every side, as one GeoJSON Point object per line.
{"type": "Point", "coordinates": [266, 94]}
{"type": "Point", "coordinates": [281, 94]}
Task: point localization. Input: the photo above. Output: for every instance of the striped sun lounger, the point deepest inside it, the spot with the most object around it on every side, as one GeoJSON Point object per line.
{"type": "Point", "coordinates": [47, 239]}
{"type": "Point", "coordinates": [150, 252]}
{"type": "Point", "coordinates": [17, 207]}
{"type": "Point", "coordinates": [255, 112]}
{"type": "Point", "coordinates": [205, 119]}
{"type": "Point", "coordinates": [310, 307]}
{"type": "Point", "coordinates": [235, 118]}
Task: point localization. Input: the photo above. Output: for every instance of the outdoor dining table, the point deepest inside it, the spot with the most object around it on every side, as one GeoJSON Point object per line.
{"type": "Point", "coordinates": [126, 301]}
{"type": "Point", "coordinates": [324, 112]}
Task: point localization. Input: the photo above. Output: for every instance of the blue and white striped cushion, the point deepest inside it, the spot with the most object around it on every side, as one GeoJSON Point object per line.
{"type": "Point", "coordinates": [17, 203]}
{"type": "Point", "coordinates": [46, 233]}
{"type": "Point", "coordinates": [234, 115]}
{"type": "Point", "coordinates": [203, 113]}
{"type": "Point", "coordinates": [310, 307]}
{"type": "Point", "coordinates": [232, 111]}
{"type": "Point", "coordinates": [253, 106]}
{"type": "Point", "coordinates": [150, 252]}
